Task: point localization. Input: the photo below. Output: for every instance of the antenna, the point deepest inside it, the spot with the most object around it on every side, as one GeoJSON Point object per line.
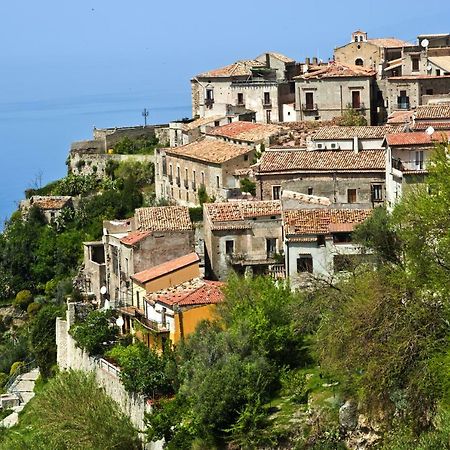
{"type": "Point", "coordinates": [429, 130]}
{"type": "Point", "coordinates": [425, 43]}
{"type": "Point", "coordinates": [145, 115]}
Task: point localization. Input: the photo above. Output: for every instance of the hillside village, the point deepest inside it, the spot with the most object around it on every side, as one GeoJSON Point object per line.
{"type": "Point", "coordinates": [280, 163]}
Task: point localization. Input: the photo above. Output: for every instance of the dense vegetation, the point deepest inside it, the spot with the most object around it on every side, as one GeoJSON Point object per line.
{"type": "Point", "coordinates": [71, 412]}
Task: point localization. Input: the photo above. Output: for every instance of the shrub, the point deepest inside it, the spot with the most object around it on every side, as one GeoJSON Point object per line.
{"type": "Point", "coordinates": [33, 308]}
{"type": "Point", "coordinates": [248, 186]}
{"type": "Point", "coordinates": [196, 214]}
{"type": "Point", "coordinates": [16, 366]}
{"type": "Point", "coordinates": [23, 299]}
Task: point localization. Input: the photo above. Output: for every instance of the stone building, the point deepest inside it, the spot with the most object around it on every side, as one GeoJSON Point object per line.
{"type": "Point", "coordinates": [51, 206]}
{"type": "Point", "coordinates": [93, 275]}
{"type": "Point", "coordinates": [259, 86]}
{"type": "Point", "coordinates": [325, 92]}
{"type": "Point", "coordinates": [211, 163]}
{"type": "Point", "coordinates": [318, 242]}
{"type": "Point", "coordinates": [154, 235]}
{"type": "Point", "coordinates": [354, 179]}
{"type": "Point", "coordinates": [182, 132]}
{"type": "Point", "coordinates": [407, 157]}
{"type": "Point", "coordinates": [242, 236]}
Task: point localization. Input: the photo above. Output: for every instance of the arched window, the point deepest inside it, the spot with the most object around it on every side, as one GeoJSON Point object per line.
{"type": "Point", "coordinates": [359, 62]}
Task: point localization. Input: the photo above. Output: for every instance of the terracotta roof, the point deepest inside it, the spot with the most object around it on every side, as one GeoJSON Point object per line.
{"type": "Point", "coordinates": [400, 117]}
{"type": "Point", "coordinates": [418, 138]}
{"type": "Point", "coordinates": [389, 42]}
{"type": "Point", "coordinates": [240, 211]}
{"type": "Point", "coordinates": [208, 150]}
{"type": "Point", "coordinates": [336, 69]}
{"type": "Point", "coordinates": [165, 268]}
{"type": "Point", "coordinates": [194, 293]}
{"type": "Point", "coordinates": [163, 218]}
{"type": "Point", "coordinates": [246, 131]}
{"type": "Point", "coordinates": [438, 111]}
{"type": "Point", "coordinates": [418, 77]}
{"type": "Point", "coordinates": [322, 221]}
{"type": "Point", "coordinates": [364, 132]}
{"type": "Point", "coordinates": [279, 56]}
{"type": "Point", "coordinates": [441, 61]}
{"type": "Point", "coordinates": [134, 237]}
{"type": "Point", "coordinates": [50, 202]}
{"type": "Point", "coordinates": [423, 125]}
{"type": "Point", "coordinates": [283, 160]}
{"type": "Point", "coordinates": [238, 68]}
{"type": "Point", "coordinates": [200, 121]}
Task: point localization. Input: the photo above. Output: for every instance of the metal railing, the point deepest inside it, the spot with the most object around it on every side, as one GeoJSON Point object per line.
{"type": "Point", "coordinates": [403, 105]}
{"type": "Point", "coordinates": [309, 107]}
{"type": "Point", "coordinates": [110, 368]}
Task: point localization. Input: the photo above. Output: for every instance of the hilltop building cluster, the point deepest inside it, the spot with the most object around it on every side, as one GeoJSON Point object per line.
{"type": "Point", "coordinates": [280, 182]}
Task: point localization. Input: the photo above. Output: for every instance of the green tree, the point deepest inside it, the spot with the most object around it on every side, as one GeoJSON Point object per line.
{"type": "Point", "coordinates": [248, 186]}
{"type": "Point", "coordinates": [351, 117]}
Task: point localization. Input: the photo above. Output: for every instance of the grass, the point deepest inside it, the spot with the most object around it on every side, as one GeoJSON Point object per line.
{"type": "Point", "coordinates": [71, 412]}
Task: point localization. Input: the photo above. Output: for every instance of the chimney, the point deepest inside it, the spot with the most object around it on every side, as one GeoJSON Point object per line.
{"type": "Point", "coordinates": [315, 61]}
{"type": "Point", "coordinates": [307, 61]}
{"type": "Point", "coordinates": [267, 60]}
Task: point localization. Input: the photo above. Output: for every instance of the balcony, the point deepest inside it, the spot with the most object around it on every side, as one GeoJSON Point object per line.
{"type": "Point", "coordinates": [359, 106]}
{"type": "Point", "coordinates": [403, 105]}
{"type": "Point", "coordinates": [151, 324]}
{"type": "Point", "coordinates": [267, 104]}
{"type": "Point", "coordinates": [309, 107]}
{"type": "Point", "coordinates": [209, 102]}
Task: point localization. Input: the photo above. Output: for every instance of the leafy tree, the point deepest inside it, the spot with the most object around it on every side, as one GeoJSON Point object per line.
{"type": "Point", "coordinates": [248, 186]}
{"type": "Point", "coordinates": [23, 299]}
{"type": "Point", "coordinates": [142, 172]}
{"type": "Point", "coordinates": [351, 117]}
{"type": "Point", "coordinates": [96, 333]}
{"type": "Point", "coordinates": [203, 196]}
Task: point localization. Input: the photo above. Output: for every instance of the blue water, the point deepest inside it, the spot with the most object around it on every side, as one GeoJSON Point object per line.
{"type": "Point", "coordinates": [36, 135]}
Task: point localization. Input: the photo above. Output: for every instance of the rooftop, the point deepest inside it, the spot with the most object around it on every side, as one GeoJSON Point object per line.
{"type": "Point", "coordinates": [200, 121]}
{"type": "Point", "coordinates": [438, 111]}
{"type": "Point", "coordinates": [279, 56]}
{"type": "Point", "coordinates": [50, 202]}
{"type": "Point", "coordinates": [238, 68]}
{"type": "Point", "coordinates": [400, 117]}
{"type": "Point", "coordinates": [363, 132]}
{"type": "Point", "coordinates": [193, 293]}
{"type": "Point", "coordinates": [419, 138]}
{"type": "Point", "coordinates": [208, 150]}
{"type": "Point", "coordinates": [246, 131]}
{"type": "Point", "coordinates": [423, 125]}
{"type": "Point", "coordinates": [345, 160]}
{"type": "Point", "coordinates": [163, 269]}
{"type": "Point", "coordinates": [241, 210]}
{"type": "Point", "coordinates": [322, 221]}
{"type": "Point", "coordinates": [336, 70]}
{"type": "Point", "coordinates": [135, 237]}
{"type": "Point", "coordinates": [390, 42]}
{"type": "Point", "coordinates": [163, 218]}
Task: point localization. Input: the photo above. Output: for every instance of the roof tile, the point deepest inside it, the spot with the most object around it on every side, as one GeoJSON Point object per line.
{"type": "Point", "coordinates": [163, 218]}
{"type": "Point", "coordinates": [336, 69]}
{"type": "Point", "coordinates": [246, 131]}
{"type": "Point", "coordinates": [238, 68]}
{"type": "Point", "coordinates": [363, 132]}
{"type": "Point", "coordinates": [439, 111]}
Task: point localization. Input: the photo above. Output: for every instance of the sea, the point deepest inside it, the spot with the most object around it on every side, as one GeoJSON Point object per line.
{"type": "Point", "coordinates": [35, 136]}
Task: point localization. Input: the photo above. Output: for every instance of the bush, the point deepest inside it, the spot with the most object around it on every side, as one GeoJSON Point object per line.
{"type": "Point", "coordinates": [196, 214]}
{"type": "Point", "coordinates": [23, 299]}
{"type": "Point", "coordinates": [248, 186]}
{"type": "Point", "coordinates": [16, 367]}
{"type": "Point", "coordinates": [33, 308]}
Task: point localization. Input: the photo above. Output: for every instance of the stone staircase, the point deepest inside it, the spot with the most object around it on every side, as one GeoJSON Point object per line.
{"type": "Point", "coordinates": [20, 392]}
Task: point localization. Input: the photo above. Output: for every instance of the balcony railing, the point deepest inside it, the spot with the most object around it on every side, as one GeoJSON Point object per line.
{"type": "Point", "coordinates": [403, 105]}
{"type": "Point", "coordinates": [209, 102]}
{"type": "Point", "coordinates": [151, 324]}
{"type": "Point", "coordinates": [309, 107]}
{"type": "Point", "coordinates": [359, 106]}
{"type": "Point", "coordinates": [267, 104]}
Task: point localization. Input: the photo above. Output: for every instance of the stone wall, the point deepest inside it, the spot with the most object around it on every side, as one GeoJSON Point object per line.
{"type": "Point", "coordinates": [69, 356]}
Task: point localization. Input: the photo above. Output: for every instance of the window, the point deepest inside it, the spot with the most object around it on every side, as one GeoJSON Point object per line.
{"type": "Point", "coordinates": [359, 62]}
{"type": "Point", "coordinates": [230, 119]}
{"type": "Point", "coordinates": [229, 247]}
{"type": "Point", "coordinates": [186, 176]}
{"type": "Point", "coordinates": [240, 98]}
{"type": "Point", "coordinates": [276, 191]}
{"type": "Point", "coordinates": [310, 190]}
{"type": "Point", "coordinates": [438, 72]}
{"type": "Point", "coordinates": [321, 240]}
{"type": "Point", "coordinates": [271, 247]}
{"type": "Point", "coordinates": [115, 259]}
{"type": "Point", "coordinates": [342, 238]}
{"type": "Point", "coordinates": [187, 196]}
{"type": "Point", "coordinates": [216, 123]}
{"type": "Point", "coordinates": [309, 97]}
{"type": "Point", "coordinates": [137, 300]}
{"type": "Point", "coordinates": [209, 94]}
{"type": "Point", "coordinates": [377, 192]}
{"type": "Point", "coordinates": [429, 91]}
{"type": "Point", "coordinates": [245, 157]}
{"type": "Point", "coordinates": [415, 64]}
{"type": "Point", "coordinates": [304, 264]}
{"type": "Point", "coordinates": [419, 160]}
{"type": "Point", "coordinates": [356, 99]}
{"type": "Point", "coordinates": [268, 116]}
{"type": "Point", "coordinates": [267, 98]}
{"type": "Point", "coordinates": [157, 168]}
{"type": "Point", "coordinates": [351, 195]}
{"type": "Point", "coordinates": [218, 181]}
{"type": "Point", "coordinates": [203, 178]}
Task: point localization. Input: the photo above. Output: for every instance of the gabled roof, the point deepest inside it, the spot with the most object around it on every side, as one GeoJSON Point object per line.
{"type": "Point", "coordinates": [208, 150]}
{"type": "Point", "coordinates": [135, 237]}
{"type": "Point", "coordinates": [400, 117]}
{"type": "Point", "coordinates": [438, 111]}
{"type": "Point", "coordinates": [423, 125]}
{"type": "Point", "coordinates": [168, 267]}
{"type": "Point", "coordinates": [390, 42]}
{"type": "Point", "coordinates": [362, 132]}
{"type": "Point", "coordinates": [238, 68]}
{"type": "Point", "coordinates": [194, 293]}
{"type": "Point", "coordinates": [50, 202]}
{"type": "Point", "coordinates": [336, 69]}
{"type": "Point", "coordinates": [441, 61]}
{"type": "Point", "coordinates": [322, 161]}
{"type": "Point", "coordinates": [279, 56]}
{"type": "Point", "coordinates": [322, 221]}
{"type": "Point", "coordinates": [246, 131]}
{"type": "Point", "coordinates": [236, 211]}
{"type": "Point", "coordinates": [402, 139]}
{"type": "Point", "coordinates": [163, 218]}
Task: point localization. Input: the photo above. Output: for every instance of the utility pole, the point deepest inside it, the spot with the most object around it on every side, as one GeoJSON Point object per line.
{"type": "Point", "coordinates": [145, 115]}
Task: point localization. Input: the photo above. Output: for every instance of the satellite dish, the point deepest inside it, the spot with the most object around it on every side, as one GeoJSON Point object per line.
{"type": "Point", "coordinates": [103, 290]}
{"type": "Point", "coordinates": [429, 130]}
{"type": "Point", "coordinates": [425, 43]}
{"type": "Point", "coordinates": [120, 322]}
